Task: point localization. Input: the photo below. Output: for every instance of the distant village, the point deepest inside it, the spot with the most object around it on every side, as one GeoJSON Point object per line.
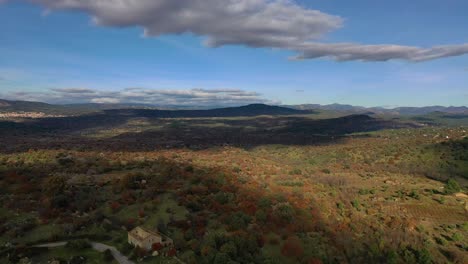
{"type": "Point", "coordinates": [9, 115]}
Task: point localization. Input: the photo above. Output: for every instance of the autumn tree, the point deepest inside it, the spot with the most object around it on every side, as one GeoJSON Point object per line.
{"type": "Point", "coordinates": [54, 185]}
{"type": "Point", "coordinates": [156, 246]}
{"type": "Point", "coordinates": [292, 247]}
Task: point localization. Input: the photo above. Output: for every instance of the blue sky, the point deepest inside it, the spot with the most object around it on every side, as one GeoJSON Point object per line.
{"type": "Point", "coordinates": [49, 51]}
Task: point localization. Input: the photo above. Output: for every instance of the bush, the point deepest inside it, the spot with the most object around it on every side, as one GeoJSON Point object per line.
{"type": "Point", "coordinates": [423, 256]}
{"type": "Point", "coordinates": [457, 237]}
{"type": "Point", "coordinates": [414, 194]}
{"type": "Point", "coordinates": [356, 204]}
{"type": "Point", "coordinates": [451, 187]}
{"type": "Point", "coordinates": [295, 172]}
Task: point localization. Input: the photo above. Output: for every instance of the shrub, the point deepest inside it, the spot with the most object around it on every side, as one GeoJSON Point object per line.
{"type": "Point", "coordinates": [441, 241]}
{"type": "Point", "coordinates": [363, 191]}
{"type": "Point", "coordinates": [295, 172]}
{"type": "Point", "coordinates": [457, 237]}
{"type": "Point", "coordinates": [356, 204]}
{"type": "Point", "coordinates": [414, 194]}
{"type": "Point", "coordinates": [291, 183]}
{"type": "Point", "coordinates": [392, 257]}
{"type": "Point", "coordinates": [423, 256]}
{"type": "Point", "coordinates": [451, 187]}
{"type": "Point", "coordinates": [340, 207]}
{"type": "Point", "coordinates": [189, 168]}
{"type": "Point", "coordinates": [464, 226]}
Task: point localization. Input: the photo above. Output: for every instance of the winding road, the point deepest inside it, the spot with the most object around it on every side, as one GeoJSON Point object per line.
{"type": "Point", "coordinates": [96, 246]}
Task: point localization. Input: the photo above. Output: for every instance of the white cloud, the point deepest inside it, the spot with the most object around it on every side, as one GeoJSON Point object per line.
{"type": "Point", "coordinates": [256, 23]}
{"type": "Point", "coordinates": [351, 51]}
{"type": "Point", "coordinates": [105, 100]}
{"type": "Point", "coordinates": [160, 97]}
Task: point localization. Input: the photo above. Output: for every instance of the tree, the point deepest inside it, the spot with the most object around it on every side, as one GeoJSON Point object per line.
{"type": "Point", "coordinates": [292, 247]}
{"type": "Point", "coordinates": [115, 206]}
{"type": "Point", "coordinates": [230, 249]}
{"type": "Point", "coordinates": [261, 216]}
{"type": "Point", "coordinates": [221, 258]}
{"type": "Point", "coordinates": [156, 246]}
{"type": "Point", "coordinates": [285, 212]}
{"type": "Point", "coordinates": [172, 252]}
{"type": "Point", "coordinates": [141, 213]}
{"type": "Point", "coordinates": [54, 185]}
{"type": "Point", "coordinates": [264, 203]}
{"type": "Point", "coordinates": [239, 220]}
{"type": "Point", "coordinates": [107, 255]}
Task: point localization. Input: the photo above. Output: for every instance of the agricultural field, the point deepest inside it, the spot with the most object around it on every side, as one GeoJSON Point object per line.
{"type": "Point", "coordinates": [258, 189]}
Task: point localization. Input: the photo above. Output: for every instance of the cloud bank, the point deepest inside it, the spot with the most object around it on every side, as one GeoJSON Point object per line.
{"type": "Point", "coordinates": [192, 97]}
{"type": "Point", "coordinates": [279, 24]}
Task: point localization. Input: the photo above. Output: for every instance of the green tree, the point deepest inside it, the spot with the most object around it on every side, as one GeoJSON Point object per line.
{"type": "Point", "coordinates": [239, 220]}
{"type": "Point", "coordinates": [261, 216]}
{"type": "Point", "coordinates": [285, 212]}
{"type": "Point", "coordinates": [107, 255]}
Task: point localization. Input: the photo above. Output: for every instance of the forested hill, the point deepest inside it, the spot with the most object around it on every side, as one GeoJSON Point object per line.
{"type": "Point", "coordinates": [248, 110]}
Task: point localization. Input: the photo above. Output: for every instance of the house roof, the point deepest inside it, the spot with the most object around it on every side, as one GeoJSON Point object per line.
{"type": "Point", "coordinates": [141, 233]}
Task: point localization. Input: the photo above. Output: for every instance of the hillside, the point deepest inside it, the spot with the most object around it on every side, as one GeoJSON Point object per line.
{"type": "Point", "coordinates": [382, 111]}
{"type": "Point", "coordinates": [50, 109]}
{"type": "Point", "coordinates": [287, 188]}
{"type": "Point", "coordinates": [145, 110]}
{"type": "Point", "coordinates": [248, 110]}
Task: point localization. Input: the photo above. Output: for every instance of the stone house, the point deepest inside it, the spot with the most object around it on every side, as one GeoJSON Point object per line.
{"type": "Point", "coordinates": [145, 238]}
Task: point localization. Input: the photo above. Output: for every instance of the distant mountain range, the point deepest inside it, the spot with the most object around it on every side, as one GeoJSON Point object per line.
{"type": "Point", "coordinates": [381, 110]}
{"type": "Point", "coordinates": [200, 111]}
{"type": "Point", "coordinates": [248, 110]}
{"type": "Point", "coordinates": [146, 110]}
{"type": "Point", "coordinates": [67, 109]}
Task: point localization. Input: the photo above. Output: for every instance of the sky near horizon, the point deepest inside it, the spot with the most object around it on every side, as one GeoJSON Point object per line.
{"type": "Point", "coordinates": [231, 52]}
